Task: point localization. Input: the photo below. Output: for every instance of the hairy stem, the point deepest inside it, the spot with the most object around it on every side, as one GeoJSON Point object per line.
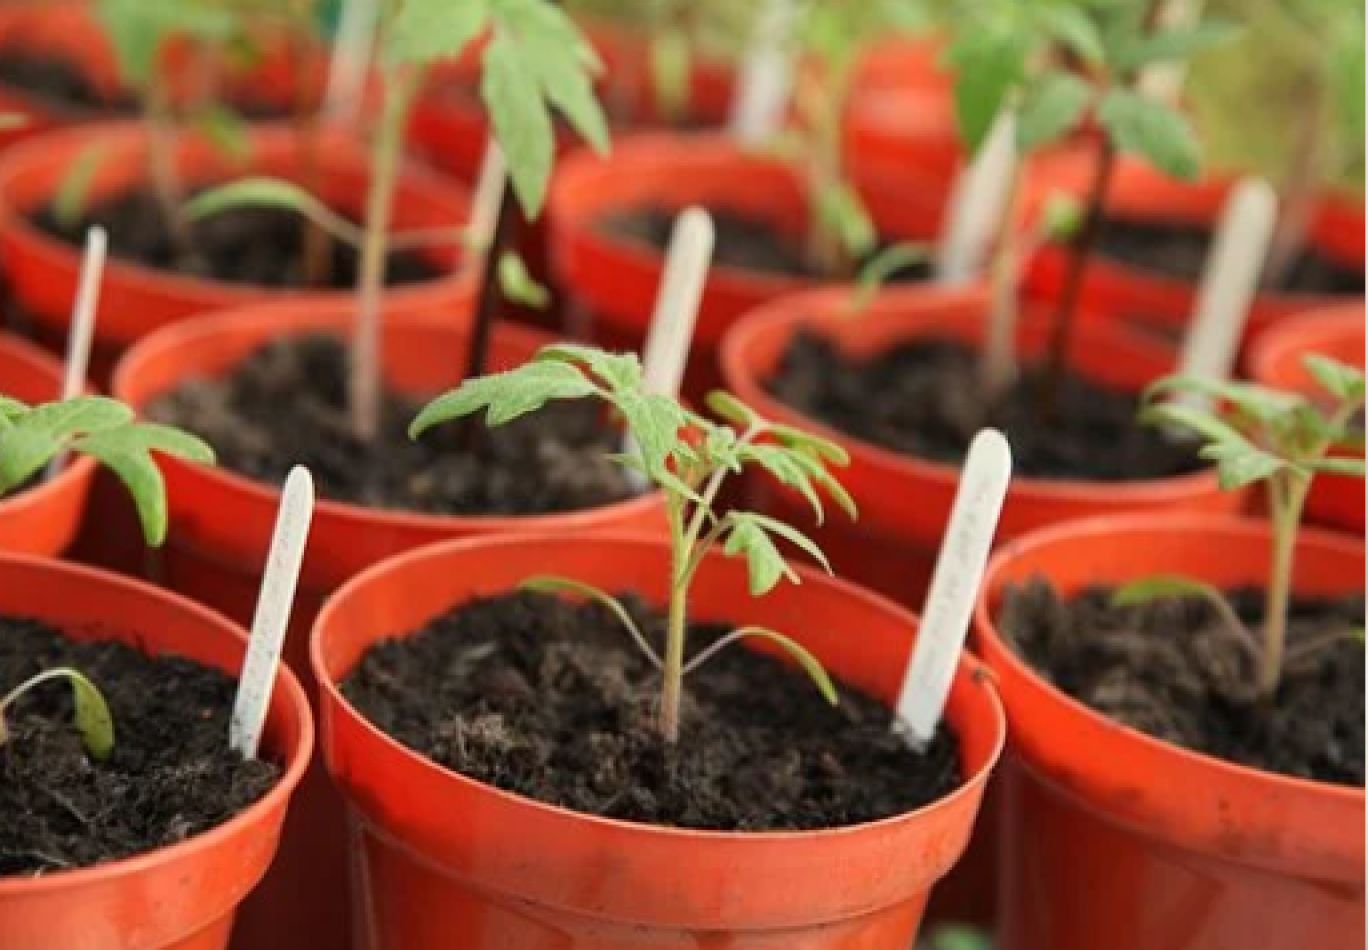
{"type": "Point", "coordinates": [366, 344]}
{"type": "Point", "coordinates": [1287, 497]}
{"type": "Point", "coordinates": [826, 250]}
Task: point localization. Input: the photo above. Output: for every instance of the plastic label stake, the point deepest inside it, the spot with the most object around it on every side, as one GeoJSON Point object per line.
{"type": "Point", "coordinates": [272, 615]}
{"type": "Point", "coordinates": [766, 82]}
{"type": "Point", "coordinates": [676, 309]}
{"type": "Point", "coordinates": [83, 313]}
{"type": "Point", "coordinates": [351, 56]}
{"type": "Point", "coordinates": [489, 189]}
{"type": "Point", "coordinates": [1230, 281]}
{"type": "Point", "coordinates": [955, 584]}
{"type": "Point", "coordinates": [977, 205]}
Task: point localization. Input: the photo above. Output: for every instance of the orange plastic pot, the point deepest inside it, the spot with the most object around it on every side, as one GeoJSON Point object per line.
{"type": "Point", "coordinates": [42, 520]}
{"type": "Point", "coordinates": [1121, 842]}
{"type": "Point", "coordinates": [41, 271]}
{"type": "Point", "coordinates": [616, 279]}
{"type": "Point", "coordinates": [445, 861]}
{"type": "Point", "coordinates": [221, 529]}
{"type": "Point", "coordinates": [1150, 299]}
{"type": "Point", "coordinates": [1336, 500]}
{"type": "Point", "coordinates": [181, 897]}
{"type": "Point", "coordinates": [905, 501]}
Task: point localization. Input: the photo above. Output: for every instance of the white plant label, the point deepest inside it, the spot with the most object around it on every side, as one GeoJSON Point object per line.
{"type": "Point", "coordinates": [1230, 281]}
{"type": "Point", "coordinates": [489, 191]}
{"type": "Point", "coordinates": [82, 333]}
{"type": "Point", "coordinates": [351, 56]}
{"type": "Point", "coordinates": [272, 617]}
{"type": "Point", "coordinates": [977, 204]}
{"type": "Point", "coordinates": [766, 82]}
{"type": "Point", "coordinates": [955, 584]}
{"type": "Point", "coordinates": [676, 308]}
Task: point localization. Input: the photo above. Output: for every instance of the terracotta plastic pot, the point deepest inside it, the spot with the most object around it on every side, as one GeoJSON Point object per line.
{"type": "Point", "coordinates": [1150, 299]}
{"type": "Point", "coordinates": [447, 861]}
{"type": "Point", "coordinates": [904, 501]}
{"type": "Point", "coordinates": [180, 897]}
{"type": "Point", "coordinates": [615, 279]}
{"type": "Point", "coordinates": [1121, 842]}
{"type": "Point", "coordinates": [41, 520]}
{"type": "Point", "coordinates": [70, 32]}
{"type": "Point", "coordinates": [41, 271]}
{"type": "Point", "coordinates": [221, 529]}
{"type": "Point", "coordinates": [1336, 500]}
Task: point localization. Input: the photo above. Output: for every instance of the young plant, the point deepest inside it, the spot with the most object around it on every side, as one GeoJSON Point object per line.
{"type": "Point", "coordinates": [31, 437]}
{"type": "Point", "coordinates": [1262, 435]}
{"type": "Point", "coordinates": [688, 458]}
{"type": "Point", "coordinates": [1057, 65]}
{"type": "Point", "coordinates": [534, 62]}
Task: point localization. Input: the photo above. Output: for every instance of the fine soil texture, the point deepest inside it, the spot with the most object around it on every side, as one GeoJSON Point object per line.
{"type": "Point", "coordinates": [1174, 670]}
{"type": "Point", "coordinates": [258, 246]}
{"type": "Point", "coordinates": [286, 404]}
{"type": "Point", "coordinates": [171, 775]}
{"type": "Point", "coordinates": [743, 242]}
{"type": "Point", "coordinates": [58, 81]}
{"type": "Point", "coordinates": [921, 399]}
{"type": "Point", "coordinates": [552, 700]}
{"type": "Point", "coordinates": [1181, 252]}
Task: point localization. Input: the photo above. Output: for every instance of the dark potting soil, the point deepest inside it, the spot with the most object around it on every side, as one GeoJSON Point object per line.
{"type": "Point", "coordinates": [742, 242]}
{"type": "Point", "coordinates": [551, 699]}
{"type": "Point", "coordinates": [286, 404]}
{"type": "Point", "coordinates": [922, 399]}
{"type": "Point", "coordinates": [1181, 252]}
{"type": "Point", "coordinates": [58, 81]}
{"type": "Point", "coordinates": [1173, 670]}
{"type": "Point", "coordinates": [171, 775]}
{"type": "Point", "coordinates": [258, 246]}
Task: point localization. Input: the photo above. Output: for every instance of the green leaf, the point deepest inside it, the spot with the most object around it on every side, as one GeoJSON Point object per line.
{"type": "Point", "coordinates": [787, 532]}
{"type": "Point", "coordinates": [1341, 380]}
{"type": "Point", "coordinates": [226, 130]}
{"type": "Point", "coordinates": [1258, 402]}
{"type": "Point", "coordinates": [1169, 46]}
{"type": "Point", "coordinates": [797, 651]}
{"type": "Point", "coordinates": [518, 285]}
{"type": "Point", "coordinates": [957, 937]}
{"type": "Point", "coordinates": [764, 564]}
{"type": "Point", "coordinates": [1238, 466]}
{"type": "Point", "coordinates": [1151, 130]}
{"type": "Point", "coordinates": [70, 201]}
{"type": "Point", "coordinates": [728, 407]}
{"type": "Point", "coordinates": [620, 371]}
{"type": "Point", "coordinates": [989, 62]}
{"type": "Point", "coordinates": [11, 409]}
{"type": "Point", "coordinates": [803, 440]}
{"type": "Point", "coordinates": [1049, 109]}
{"type": "Point", "coordinates": [425, 31]}
{"type": "Point", "coordinates": [139, 29]}
{"type": "Point", "coordinates": [1075, 30]}
{"type": "Point", "coordinates": [842, 212]}
{"type": "Point", "coordinates": [520, 119]}
{"type": "Point", "coordinates": [654, 421]}
{"type": "Point", "coordinates": [262, 192]}
{"type": "Point", "coordinates": [94, 721]}
{"type": "Point", "coordinates": [506, 396]}
{"type": "Point", "coordinates": [75, 416]}
{"type": "Point", "coordinates": [126, 451]}
{"type": "Point", "coordinates": [23, 453]}
{"type": "Point", "coordinates": [1195, 420]}
{"type": "Point", "coordinates": [1161, 587]}
{"type": "Point", "coordinates": [547, 584]}
{"type": "Point", "coordinates": [883, 266]}
{"type": "Point", "coordinates": [786, 466]}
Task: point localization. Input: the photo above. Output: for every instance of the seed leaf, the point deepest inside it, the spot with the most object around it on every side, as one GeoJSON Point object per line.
{"type": "Point", "coordinates": [546, 584]}
{"type": "Point", "coordinates": [810, 664]}
{"type": "Point", "coordinates": [517, 283]}
{"type": "Point", "coordinates": [93, 718]}
{"type": "Point", "coordinates": [262, 192]}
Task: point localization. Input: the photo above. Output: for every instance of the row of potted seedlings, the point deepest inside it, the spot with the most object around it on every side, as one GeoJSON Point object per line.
{"type": "Point", "coordinates": [509, 675]}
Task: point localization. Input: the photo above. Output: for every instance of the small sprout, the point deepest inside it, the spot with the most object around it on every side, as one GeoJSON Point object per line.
{"type": "Point", "coordinates": [1261, 435]}
{"type": "Point", "coordinates": [93, 719]}
{"type": "Point", "coordinates": [688, 457]}
{"type": "Point", "coordinates": [883, 267]}
{"type": "Point", "coordinates": [518, 285]}
{"type": "Point", "coordinates": [105, 429]}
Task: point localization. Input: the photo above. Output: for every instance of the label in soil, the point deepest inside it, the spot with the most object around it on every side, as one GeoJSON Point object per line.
{"type": "Point", "coordinates": [762, 94]}
{"type": "Point", "coordinates": [272, 616]}
{"type": "Point", "coordinates": [977, 205]}
{"type": "Point", "coordinates": [955, 584]}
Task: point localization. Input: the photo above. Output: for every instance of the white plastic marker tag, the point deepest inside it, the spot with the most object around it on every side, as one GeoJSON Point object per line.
{"type": "Point", "coordinates": [955, 584]}
{"type": "Point", "coordinates": [977, 204]}
{"type": "Point", "coordinates": [1230, 281]}
{"type": "Point", "coordinates": [82, 332]}
{"type": "Point", "coordinates": [489, 191]}
{"type": "Point", "coordinates": [762, 94]}
{"type": "Point", "coordinates": [1164, 80]}
{"type": "Point", "coordinates": [351, 56]}
{"type": "Point", "coordinates": [676, 309]}
{"type": "Point", "coordinates": [272, 616]}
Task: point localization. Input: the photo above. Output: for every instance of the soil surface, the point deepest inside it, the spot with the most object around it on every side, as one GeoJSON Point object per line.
{"type": "Point", "coordinates": [922, 399]}
{"type": "Point", "coordinates": [551, 699]}
{"type": "Point", "coordinates": [286, 404]}
{"type": "Point", "coordinates": [258, 246]}
{"type": "Point", "coordinates": [171, 775]}
{"type": "Point", "coordinates": [59, 81]}
{"type": "Point", "coordinates": [1181, 252]}
{"type": "Point", "coordinates": [743, 242]}
{"type": "Point", "coordinates": [1172, 669]}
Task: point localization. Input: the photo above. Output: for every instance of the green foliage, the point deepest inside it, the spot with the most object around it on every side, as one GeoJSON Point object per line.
{"type": "Point", "coordinates": [688, 457]}
{"type": "Point", "coordinates": [517, 284]}
{"type": "Point", "coordinates": [31, 437]}
{"type": "Point", "coordinates": [90, 711]}
{"type": "Point", "coordinates": [138, 30]}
